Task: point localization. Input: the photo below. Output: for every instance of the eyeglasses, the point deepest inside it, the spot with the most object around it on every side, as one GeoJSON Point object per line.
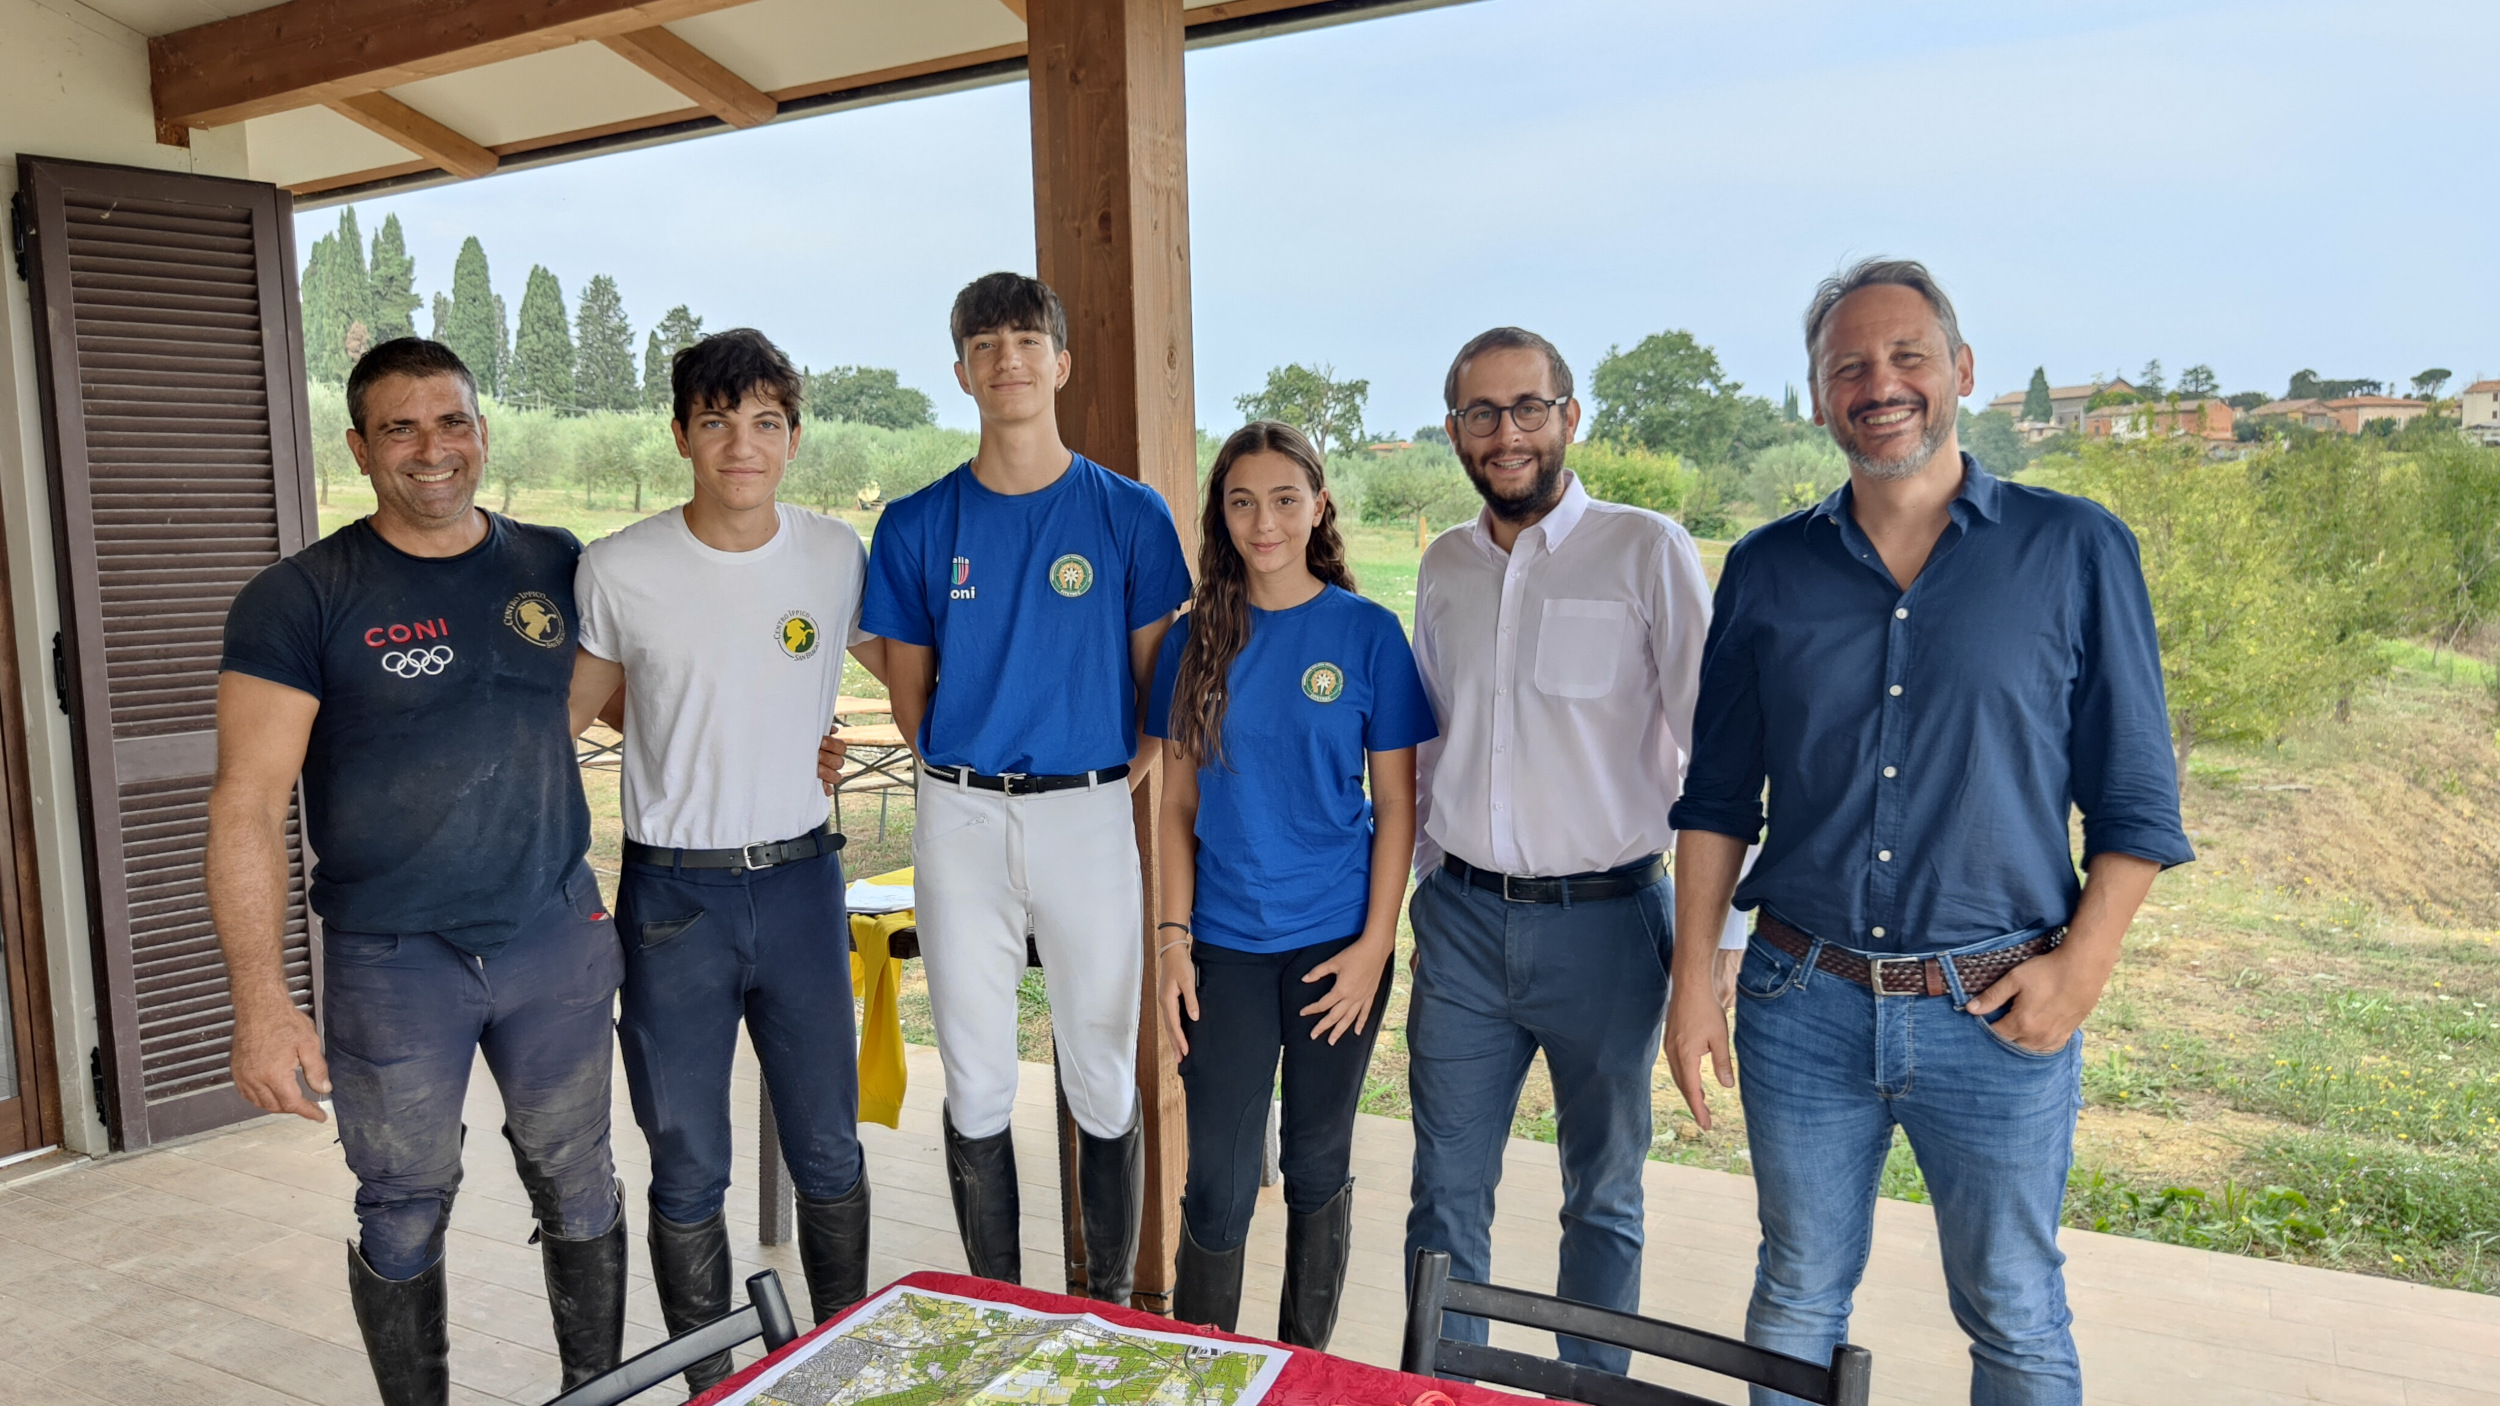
{"type": "Point", "coordinates": [1530, 415]}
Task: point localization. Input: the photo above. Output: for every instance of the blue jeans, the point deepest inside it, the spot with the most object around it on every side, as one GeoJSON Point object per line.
{"type": "Point", "coordinates": [1495, 982]}
{"type": "Point", "coordinates": [1827, 1071]}
{"type": "Point", "coordinates": [405, 1016]}
{"type": "Point", "coordinates": [704, 950]}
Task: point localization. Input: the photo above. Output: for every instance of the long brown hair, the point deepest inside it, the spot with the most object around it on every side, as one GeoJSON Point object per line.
{"type": "Point", "coordinates": [1219, 610]}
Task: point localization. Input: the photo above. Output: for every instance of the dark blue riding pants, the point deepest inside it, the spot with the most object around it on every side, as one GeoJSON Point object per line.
{"type": "Point", "coordinates": [704, 950]}
{"type": "Point", "coordinates": [408, 1014]}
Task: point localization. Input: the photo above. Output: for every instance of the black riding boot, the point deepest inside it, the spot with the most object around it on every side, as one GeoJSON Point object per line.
{"type": "Point", "coordinates": [1109, 1171]}
{"type": "Point", "coordinates": [1206, 1284]}
{"type": "Point", "coordinates": [586, 1296]}
{"type": "Point", "coordinates": [981, 1172]}
{"type": "Point", "coordinates": [1315, 1256]}
{"type": "Point", "coordinates": [833, 1248]}
{"type": "Point", "coordinates": [690, 1268]}
{"type": "Point", "coordinates": [407, 1332]}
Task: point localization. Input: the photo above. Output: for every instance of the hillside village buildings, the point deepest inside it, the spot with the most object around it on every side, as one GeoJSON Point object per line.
{"type": "Point", "coordinates": [2217, 422]}
{"type": "Point", "coordinates": [2478, 411]}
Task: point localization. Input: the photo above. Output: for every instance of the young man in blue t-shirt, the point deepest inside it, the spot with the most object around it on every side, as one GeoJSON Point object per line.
{"type": "Point", "coordinates": [1023, 598]}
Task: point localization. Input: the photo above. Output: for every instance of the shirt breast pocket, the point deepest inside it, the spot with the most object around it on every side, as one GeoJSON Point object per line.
{"type": "Point", "coordinates": [1579, 647]}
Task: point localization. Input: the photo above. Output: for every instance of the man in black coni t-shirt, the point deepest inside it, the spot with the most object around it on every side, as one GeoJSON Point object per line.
{"type": "Point", "coordinates": [413, 669]}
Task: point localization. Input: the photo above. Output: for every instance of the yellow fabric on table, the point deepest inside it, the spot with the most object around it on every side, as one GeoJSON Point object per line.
{"type": "Point", "coordinates": [877, 980]}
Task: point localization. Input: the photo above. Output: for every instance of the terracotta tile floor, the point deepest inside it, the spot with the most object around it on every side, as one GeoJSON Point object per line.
{"type": "Point", "coordinates": [212, 1272]}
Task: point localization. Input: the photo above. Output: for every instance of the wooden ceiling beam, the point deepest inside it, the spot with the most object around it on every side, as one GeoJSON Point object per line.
{"type": "Point", "coordinates": [689, 70]}
{"type": "Point", "coordinates": [419, 133]}
{"type": "Point", "coordinates": [310, 52]}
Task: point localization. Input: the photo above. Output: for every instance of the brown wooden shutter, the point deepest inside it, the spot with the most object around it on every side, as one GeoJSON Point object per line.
{"type": "Point", "coordinates": [170, 354]}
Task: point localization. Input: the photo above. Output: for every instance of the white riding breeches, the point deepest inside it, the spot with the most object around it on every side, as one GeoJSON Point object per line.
{"type": "Point", "coordinates": [989, 868]}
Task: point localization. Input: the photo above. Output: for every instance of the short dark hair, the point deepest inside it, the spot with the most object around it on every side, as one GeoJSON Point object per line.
{"type": "Point", "coordinates": [1505, 339]}
{"type": "Point", "coordinates": [718, 372]}
{"type": "Point", "coordinates": [403, 356]}
{"type": "Point", "coordinates": [1007, 302]}
{"type": "Point", "coordinates": [1870, 273]}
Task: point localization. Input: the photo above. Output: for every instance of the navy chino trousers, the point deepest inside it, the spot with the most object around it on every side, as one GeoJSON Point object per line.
{"type": "Point", "coordinates": [707, 949]}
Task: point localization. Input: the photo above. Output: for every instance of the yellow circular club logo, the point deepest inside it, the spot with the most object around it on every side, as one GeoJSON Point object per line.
{"type": "Point", "coordinates": [1323, 683]}
{"type": "Point", "coordinates": [1072, 576]}
{"type": "Point", "coordinates": [798, 634]}
{"type": "Point", "coordinates": [534, 617]}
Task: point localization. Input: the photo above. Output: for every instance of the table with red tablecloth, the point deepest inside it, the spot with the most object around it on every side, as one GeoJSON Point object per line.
{"type": "Point", "coordinates": [1309, 1378]}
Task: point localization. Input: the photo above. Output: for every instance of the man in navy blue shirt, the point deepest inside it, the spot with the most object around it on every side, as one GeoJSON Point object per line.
{"type": "Point", "coordinates": [412, 668]}
{"type": "Point", "coordinates": [1930, 669]}
{"type": "Point", "coordinates": [1023, 598]}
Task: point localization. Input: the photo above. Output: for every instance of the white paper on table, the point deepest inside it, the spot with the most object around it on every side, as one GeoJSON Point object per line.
{"type": "Point", "coordinates": [902, 1340]}
{"type": "Point", "coordinates": [865, 897]}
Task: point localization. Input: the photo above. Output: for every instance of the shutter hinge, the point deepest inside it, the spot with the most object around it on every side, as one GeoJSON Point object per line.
{"type": "Point", "coordinates": [95, 1071]}
{"type": "Point", "coordinates": [21, 229]}
{"type": "Point", "coordinates": [60, 674]}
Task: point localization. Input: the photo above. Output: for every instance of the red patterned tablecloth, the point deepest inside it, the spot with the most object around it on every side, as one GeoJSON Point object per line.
{"type": "Point", "coordinates": [1309, 1379]}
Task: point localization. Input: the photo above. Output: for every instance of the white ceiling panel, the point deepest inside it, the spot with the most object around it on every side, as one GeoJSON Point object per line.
{"type": "Point", "coordinates": [776, 44]}
{"type": "Point", "coordinates": [560, 90]}
{"type": "Point", "coordinates": [154, 17]}
{"type": "Point", "coordinates": [311, 143]}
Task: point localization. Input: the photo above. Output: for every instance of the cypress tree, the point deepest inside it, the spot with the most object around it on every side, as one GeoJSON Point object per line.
{"type": "Point", "coordinates": [325, 320]}
{"type": "Point", "coordinates": [392, 277]}
{"type": "Point", "coordinates": [603, 348]}
{"type": "Point", "coordinates": [354, 288]}
{"type": "Point", "coordinates": [503, 347]}
{"type": "Point", "coordinates": [2036, 405]}
{"type": "Point", "coordinates": [442, 317]}
{"type": "Point", "coordinates": [678, 330]}
{"type": "Point", "coordinates": [542, 348]}
{"type": "Point", "coordinates": [655, 368]}
{"type": "Point", "coordinates": [473, 324]}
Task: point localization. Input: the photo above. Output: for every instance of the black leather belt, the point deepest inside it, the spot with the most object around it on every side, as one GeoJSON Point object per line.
{"type": "Point", "coordinates": [1017, 783]}
{"type": "Point", "coordinates": [1565, 888]}
{"type": "Point", "coordinates": [823, 840]}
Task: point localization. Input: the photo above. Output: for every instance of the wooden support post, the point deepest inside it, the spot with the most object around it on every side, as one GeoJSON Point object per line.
{"type": "Point", "coordinates": [1111, 221]}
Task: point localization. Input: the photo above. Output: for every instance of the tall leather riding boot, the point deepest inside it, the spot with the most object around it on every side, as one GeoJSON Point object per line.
{"type": "Point", "coordinates": [407, 1331]}
{"type": "Point", "coordinates": [586, 1296]}
{"type": "Point", "coordinates": [690, 1268]}
{"type": "Point", "coordinates": [1315, 1256]}
{"type": "Point", "coordinates": [1109, 1174]}
{"type": "Point", "coordinates": [1206, 1284]}
{"type": "Point", "coordinates": [981, 1173]}
{"type": "Point", "coordinates": [833, 1248]}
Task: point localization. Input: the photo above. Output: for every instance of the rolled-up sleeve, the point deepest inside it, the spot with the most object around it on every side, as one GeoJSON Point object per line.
{"type": "Point", "coordinates": [1723, 782]}
{"type": "Point", "coordinates": [2125, 776]}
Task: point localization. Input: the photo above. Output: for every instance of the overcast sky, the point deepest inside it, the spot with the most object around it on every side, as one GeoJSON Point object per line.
{"type": "Point", "coordinates": [2258, 186]}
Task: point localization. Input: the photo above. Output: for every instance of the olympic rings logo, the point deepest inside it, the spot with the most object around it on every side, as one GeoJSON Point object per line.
{"type": "Point", "coordinates": [408, 664]}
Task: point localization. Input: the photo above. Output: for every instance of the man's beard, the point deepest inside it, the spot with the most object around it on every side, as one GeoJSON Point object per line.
{"type": "Point", "coordinates": [1543, 493]}
{"type": "Point", "coordinates": [1910, 461]}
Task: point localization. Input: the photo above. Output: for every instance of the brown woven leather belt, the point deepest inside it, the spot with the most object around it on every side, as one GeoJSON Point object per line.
{"type": "Point", "coordinates": [1908, 976]}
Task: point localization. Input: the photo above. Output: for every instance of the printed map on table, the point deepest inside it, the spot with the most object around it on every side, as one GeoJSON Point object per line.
{"type": "Point", "coordinates": [913, 1347]}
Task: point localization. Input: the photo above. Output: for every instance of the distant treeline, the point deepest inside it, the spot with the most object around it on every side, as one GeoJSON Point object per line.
{"type": "Point", "coordinates": [629, 459]}
{"type": "Point", "coordinates": [579, 363]}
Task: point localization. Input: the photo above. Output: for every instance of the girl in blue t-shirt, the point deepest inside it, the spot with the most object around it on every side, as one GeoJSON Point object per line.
{"type": "Point", "coordinates": [1281, 876]}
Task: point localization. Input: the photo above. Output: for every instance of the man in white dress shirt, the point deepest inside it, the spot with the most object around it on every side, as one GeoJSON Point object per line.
{"type": "Point", "coordinates": [1560, 639]}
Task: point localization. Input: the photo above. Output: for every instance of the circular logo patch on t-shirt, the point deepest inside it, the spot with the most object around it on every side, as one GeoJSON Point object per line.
{"type": "Point", "coordinates": [535, 618]}
{"type": "Point", "coordinates": [798, 634]}
{"type": "Point", "coordinates": [1323, 683]}
{"type": "Point", "coordinates": [1072, 576]}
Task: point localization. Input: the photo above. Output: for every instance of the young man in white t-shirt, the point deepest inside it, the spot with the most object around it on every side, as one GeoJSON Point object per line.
{"type": "Point", "coordinates": [725, 622]}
